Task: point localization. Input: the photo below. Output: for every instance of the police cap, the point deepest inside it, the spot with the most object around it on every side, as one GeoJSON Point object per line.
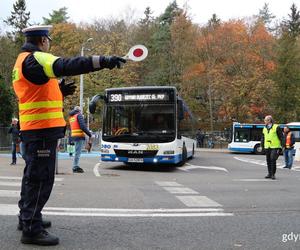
{"type": "Point", "coordinates": [38, 30]}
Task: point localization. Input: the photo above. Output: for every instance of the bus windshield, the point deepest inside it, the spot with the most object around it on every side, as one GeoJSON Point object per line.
{"type": "Point", "coordinates": [247, 134]}
{"type": "Point", "coordinates": [139, 122]}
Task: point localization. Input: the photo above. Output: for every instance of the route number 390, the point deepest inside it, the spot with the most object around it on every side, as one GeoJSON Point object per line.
{"type": "Point", "coordinates": [115, 97]}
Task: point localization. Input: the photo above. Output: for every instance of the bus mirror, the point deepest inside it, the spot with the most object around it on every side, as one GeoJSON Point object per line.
{"type": "Point", "coordinates": [180, 109]}
{"type": "Point", "coordinates": [93, 103]}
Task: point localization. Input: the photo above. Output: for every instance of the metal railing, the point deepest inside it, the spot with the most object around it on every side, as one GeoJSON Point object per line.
{"type": "Point", "coordinates": [5, 139]}
{"type": "Point", "coordinates": [215, 139]}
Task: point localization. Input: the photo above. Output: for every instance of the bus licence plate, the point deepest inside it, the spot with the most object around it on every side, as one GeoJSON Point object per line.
{"type": "Point", "coordinates": [135, 160]}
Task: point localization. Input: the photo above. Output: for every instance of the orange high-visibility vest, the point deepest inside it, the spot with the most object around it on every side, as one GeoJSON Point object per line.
{"type": "Point", "coordinates": [40, 106]}
{"type": "Point", "coordinates": [288, 140]}
{"type": "Point", "coordinates": [75, 127]}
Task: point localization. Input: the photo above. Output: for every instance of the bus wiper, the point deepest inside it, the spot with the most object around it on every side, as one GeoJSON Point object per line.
{"type": "Point", "coordinates": [153, 133]}
{"type": "Point", "coordinates": [117, 136]}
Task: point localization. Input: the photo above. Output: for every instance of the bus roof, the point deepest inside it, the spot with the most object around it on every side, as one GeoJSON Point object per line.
{"type": "Point", "coordinates": [293, 124]}
{"type": "Point", "coordinates": [141, 87]}
{"type": "Point", "coordinates": [252, 125]}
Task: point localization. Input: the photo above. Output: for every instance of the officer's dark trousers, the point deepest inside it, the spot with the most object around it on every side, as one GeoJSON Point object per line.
{"type": "Point", "coordinates": [37, 183]}
{"type": "Point", "coordinates": [271, 155]}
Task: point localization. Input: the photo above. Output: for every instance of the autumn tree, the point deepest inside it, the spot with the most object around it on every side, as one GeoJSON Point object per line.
{"type": "Point", "coordinates": [57, 16]}
{"type": "Point", "coordinates": [161, 70]}
{"type": "Point", "coordinates": [142, 34]}
{"type": "Point", "coordinates": [235, 63]}
{"type": "Point", "coordinates": [214, 21]}
{"type": "Point", "coordinates": [18, 20]}
{"type": "Point", "coordinates": [287, 75]}
{"type": "Point", "coordinates": [6, 99]}
{"type": "Point", "coordinates": [266, 16]}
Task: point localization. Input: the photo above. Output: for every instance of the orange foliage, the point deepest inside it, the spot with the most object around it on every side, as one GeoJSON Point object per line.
{"type": "Point", "coordinates": [194, 71]}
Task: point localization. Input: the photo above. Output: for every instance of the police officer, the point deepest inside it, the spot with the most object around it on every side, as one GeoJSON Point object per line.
{"type": "Point", "coordinates": [42, 123]}
{"type": "Point", "coordinates": [271, 142]}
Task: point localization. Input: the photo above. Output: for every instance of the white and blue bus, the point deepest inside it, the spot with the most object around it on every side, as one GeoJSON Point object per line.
{"type": "Point", "coordinates": [246, 137]}
{"type": "Point", "coordinates": [146, 125]}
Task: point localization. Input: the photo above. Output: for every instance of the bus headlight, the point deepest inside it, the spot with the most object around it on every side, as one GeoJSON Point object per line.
{"type": "Point", "coordinates": [116, 159]}
{"type": "Point", "coordinates": [170, 152]}
{"type": "Point", "coordinates": [155, 160]}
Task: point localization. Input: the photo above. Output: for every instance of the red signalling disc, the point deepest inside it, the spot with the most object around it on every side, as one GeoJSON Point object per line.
{"type": "Point", "coordinates": [138, 52]}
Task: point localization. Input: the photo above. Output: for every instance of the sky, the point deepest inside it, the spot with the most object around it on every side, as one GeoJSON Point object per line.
{"type": "Point", "coordinates": [199, 10]}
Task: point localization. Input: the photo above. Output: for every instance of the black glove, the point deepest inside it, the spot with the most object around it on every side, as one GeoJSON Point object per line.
{"type": "Point", "coordinates": [67, 88]}
{"type": "Point", "coordinates": [111, 61]}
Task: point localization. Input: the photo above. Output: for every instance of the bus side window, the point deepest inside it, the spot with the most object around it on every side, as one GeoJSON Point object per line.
{"type": "Point", "coordinates": [245, 138]}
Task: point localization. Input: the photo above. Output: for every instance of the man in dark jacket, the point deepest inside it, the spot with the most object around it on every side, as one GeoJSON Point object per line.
{"type": "Point", "coordinates": [42, 122]}
{"type": "Point", "coordinates": [78, 131]}
{"type": "Point", "coordinates": [288, 146]}
{"type": "Point", "coordinates": [14, 131]}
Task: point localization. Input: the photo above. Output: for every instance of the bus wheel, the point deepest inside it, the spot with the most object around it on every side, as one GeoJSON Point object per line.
{"type": "Point", "coordinates": [258, 150]}
{"type": "Point", "coordinates": [184, 157]}
{"type": "Point", "coordinates": [193, 152]}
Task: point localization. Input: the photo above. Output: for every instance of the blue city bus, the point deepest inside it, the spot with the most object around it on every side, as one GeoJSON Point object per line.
{"type": "Point", "coordinates": [246, 137]}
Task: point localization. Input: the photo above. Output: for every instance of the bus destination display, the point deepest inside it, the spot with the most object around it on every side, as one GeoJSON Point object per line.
{"type": "Point", "coordinates": [138, 97]}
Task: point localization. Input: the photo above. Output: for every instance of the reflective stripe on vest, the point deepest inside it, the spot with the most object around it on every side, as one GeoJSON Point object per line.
{"type": "Point", "coordinates": [75, 127]}
{"type": "Point", "coordinates": [40, 106]}
{"type": "Point", "coordinates": [288, 141]}
{"type": "Point", "coordinates": [271, 137]}
{"type": "Point", "coordinates": [46, 60]}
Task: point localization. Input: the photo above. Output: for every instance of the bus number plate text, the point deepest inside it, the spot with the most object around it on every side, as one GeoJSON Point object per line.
{"type": "Point", "coordinates": [138, 160]}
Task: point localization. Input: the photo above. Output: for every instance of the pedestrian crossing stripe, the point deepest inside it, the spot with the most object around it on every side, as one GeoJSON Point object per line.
{"type": "Point", "coordinates": [12, 210]}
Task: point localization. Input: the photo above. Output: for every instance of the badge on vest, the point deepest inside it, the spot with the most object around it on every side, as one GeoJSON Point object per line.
{"type": "Point", "coordinates": [43, 153]}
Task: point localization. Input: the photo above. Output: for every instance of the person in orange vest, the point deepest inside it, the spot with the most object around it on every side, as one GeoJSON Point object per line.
{"type": "Point", "coordinates": [288, 146]}
{"type": "Point", "coordinates": [78, 131]}
{"type": "Point", "coordinates": [40, 97]}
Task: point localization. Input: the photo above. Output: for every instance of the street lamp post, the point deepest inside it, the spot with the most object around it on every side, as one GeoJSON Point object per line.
{"type": "Point", "coordinates": [81, 76]}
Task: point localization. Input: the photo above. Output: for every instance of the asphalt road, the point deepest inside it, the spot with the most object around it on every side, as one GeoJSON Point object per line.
{"type": "Point", "coordinates": [216, 201]}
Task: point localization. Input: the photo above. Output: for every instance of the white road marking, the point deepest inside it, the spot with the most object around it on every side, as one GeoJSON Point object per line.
{"type": "Point", "coordinates": [8, 209]}
{"type": "Point", "coordinates": [10, 184]}
{"type": "Point", "coordinates": [180, 190]}
{"type": "Point", "coordinates": [257, 162]}
{"type": "Point", "coordinates": [190, 167]}
{"type": "Point", "coordinates": [187, 200]}
{"type": "Point", "coordinates": [168, 184]}
{"type": "Point", "coordinates": [142, 215]}
{"type": "Point", "coordinates": [96, 170]}
{"type": "Point", "coordinates": [252, 180]}
{"type": "Point", "coordinates": [198, 201]}
{"type": "Point", "coordinates": [9, 193]}
{"type": "Point", "coordinates": [20, 178]}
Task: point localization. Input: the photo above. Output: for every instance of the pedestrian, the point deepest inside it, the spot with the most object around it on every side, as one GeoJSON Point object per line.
{"type": "Point", "coordinates": [210, 142]}
{"type": "Point", "coordinates": [271, 142]}
{"type": "Point", "coordinates": [42, 123]}
{"type": "Point", "coordinates": [288, 147]}
{"type": "Point", "coordinates": [14, 131]}
{"type": "Point", "coordinates": [199, 138]}
{"type": "Point", "coordinates": [78, 131]}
